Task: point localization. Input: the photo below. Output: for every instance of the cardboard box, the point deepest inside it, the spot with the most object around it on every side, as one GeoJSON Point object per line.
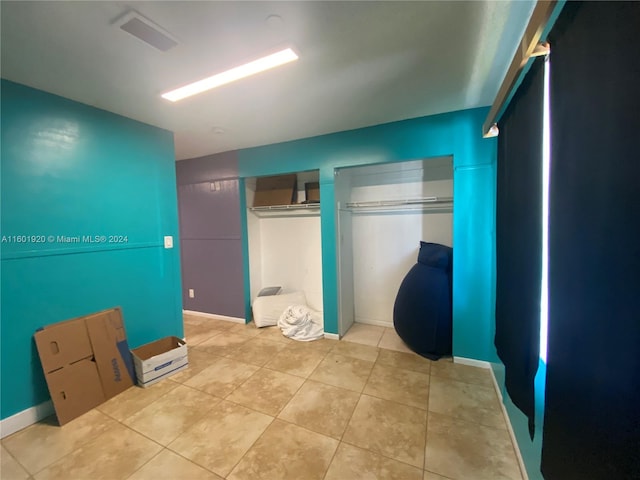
{"type": "Point", "coordinates": [86, 361]}
{"type": "Point", "coordinates": [160, 359]}
{"type": "Point", "coordinates": [312, 192]}
{"type": "Point", "coordinates": [277, 190]}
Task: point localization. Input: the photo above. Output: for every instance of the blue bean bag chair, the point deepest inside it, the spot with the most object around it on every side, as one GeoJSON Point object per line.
{"type": "Point", "coordinates": [422, 310]}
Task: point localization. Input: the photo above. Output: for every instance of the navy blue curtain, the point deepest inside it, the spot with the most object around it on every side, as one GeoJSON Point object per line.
{"type": "Point", "coordinates": [592, 407]}
{"type": "Point", "coordinates": [519, 239]}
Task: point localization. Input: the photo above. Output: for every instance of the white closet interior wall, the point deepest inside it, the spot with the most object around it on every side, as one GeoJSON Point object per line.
{"type": "Point", "coordinates": [285, 249]}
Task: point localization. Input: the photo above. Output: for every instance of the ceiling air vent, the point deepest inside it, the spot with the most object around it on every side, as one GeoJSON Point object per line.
{"type": "Point", "coordinates": [147, 31]}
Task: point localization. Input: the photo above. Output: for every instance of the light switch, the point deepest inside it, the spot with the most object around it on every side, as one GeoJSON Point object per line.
{"type": "Point", "coordinates": [168, 241]}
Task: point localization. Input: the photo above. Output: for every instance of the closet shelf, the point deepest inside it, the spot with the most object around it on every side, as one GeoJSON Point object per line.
{"type": "Point", "coordinates": [425, 203]}
{"type": "Point", "coordinates": [295, 210]}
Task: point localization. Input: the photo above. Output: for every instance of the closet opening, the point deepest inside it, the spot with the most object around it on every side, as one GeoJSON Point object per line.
{"type": "Point", "coordinates": [383, 211]}
{"type": "Point", "coordinates": [284, 236]}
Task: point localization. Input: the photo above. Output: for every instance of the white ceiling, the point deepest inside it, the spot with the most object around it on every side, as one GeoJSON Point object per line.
{"type": "Point", "coordinates": [361, 63]}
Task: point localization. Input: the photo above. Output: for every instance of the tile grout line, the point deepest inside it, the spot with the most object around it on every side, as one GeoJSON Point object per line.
{"type": "Point", "coordinates": [29, 474]}
{"type": "Point", "coordinates": [46, 466]}
{"type": "Point", "coordinates": [250, 447]}
{"type": "Point", "coordinates": [426, 430]}
{"type": "Point", "coordinates": [341, 441]}
{"type": "Point", "coordinates": [276, 417]}
{"type": "Point", "coordinates": [145, 463]}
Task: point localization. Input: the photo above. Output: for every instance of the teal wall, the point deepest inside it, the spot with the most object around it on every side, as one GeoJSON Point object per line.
{"type": "Point", "coordinates": [531, 450]}
{"type": "Point", "coordinates": [72, 170]}
{"type": "Point", "coordinates": [457, 134]}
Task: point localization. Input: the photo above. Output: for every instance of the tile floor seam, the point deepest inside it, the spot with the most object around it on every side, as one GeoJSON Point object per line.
{"type": "Point", "coordinates": [190, 461]}
{"type": "Point", "coordinates": [350, 417]}
{"type": "Point", "coordinates": [141, 434]}
{"type": "Point", "coordinates": [426, 429]}
{"type": "Point", "coordinates": [81, 446]}
{"type": "Point", "coordinates": [143, 388]}
{"type": "Point", "coordinates": [244, 381]}
{"type": "Point", "coordinates": [324, 355]}
{"type": "Point", "coordinates": [375, 452]}
{"type": "Point", "coordinates": [59, 458]}
{"type": "Point", "coordinates": [248, 408]}
{"type": "Point", "coordinates": [291, 399]}
{"type": "Point", "coordinates": [394, 401]}
{"type": "Point", "coordinates": [462, 381]}
{"type": "Point", "coordinates": [248, 449]}
{"type": "Point", "coordinates": [14, 457]}
{"type": "Point", "coordinates": [200, 417]}
{"type": "Point", "coordinates": [203, 340]}
{"type": "Point", "coordinates": [400, 368]}
{"type": "Point", "coordinates": [460, 419]}
{"type": "Point", "coordinates": [369, 376]}
{"type": "Point", "coordinates": [440, 475]}
{"type": "Point", "coordinates": [145, 463]}
{"type": "Point", "coordinates": [290, 422]}
{"type": "Point", "coordinates": [332, 458]}
{"type": "Point", "coordinates": [226, 399]}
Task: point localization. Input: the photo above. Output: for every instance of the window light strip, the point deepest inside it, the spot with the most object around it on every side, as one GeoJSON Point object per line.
{"type": "Point", "coordinates": [546, 173]}
{"type": "Point", "coordinates": [260, 65]}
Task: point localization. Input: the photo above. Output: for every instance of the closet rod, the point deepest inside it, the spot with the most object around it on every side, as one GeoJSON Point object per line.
{"type": "Point", "coordinates": [426, 201]}
{"type": "Point", "coordinates": [294, 206]}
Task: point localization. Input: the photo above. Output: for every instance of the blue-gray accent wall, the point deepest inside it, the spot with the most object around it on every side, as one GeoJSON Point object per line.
{"type": "Point", "coordinates": [210, 234]}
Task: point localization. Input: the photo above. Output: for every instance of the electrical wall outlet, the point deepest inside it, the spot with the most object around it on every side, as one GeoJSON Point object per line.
{"type": "Point", "coordinates": [192, 293]}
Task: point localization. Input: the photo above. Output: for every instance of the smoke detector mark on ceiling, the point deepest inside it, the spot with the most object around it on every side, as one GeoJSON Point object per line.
{"type": "Point", "coordinates": [147, 31]}
{"type": "Point", "coordinates": [275, 22]}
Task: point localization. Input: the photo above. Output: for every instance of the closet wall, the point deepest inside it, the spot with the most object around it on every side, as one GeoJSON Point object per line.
{"type": "Point", "coordinates": [452, 134]}
{"type": "Point", "coordinates": [384, 212]}
{"type": "Point", "coordinates": [285, 245]}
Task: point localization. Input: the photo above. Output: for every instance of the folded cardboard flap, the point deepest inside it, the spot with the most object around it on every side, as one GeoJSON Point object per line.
{"type": "Point", "coordinates": [75, 389]}
{"type": "Point", "coordinates": [111, 350]}
{"type": "Point", "coordinates": [145, 352]}
{"type": "Point", "coordinates": [60, 346]}
{"type": "Point", "coordinates": [86, 361]}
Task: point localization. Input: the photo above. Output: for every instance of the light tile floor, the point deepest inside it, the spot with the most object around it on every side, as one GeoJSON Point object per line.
{"type": "Point", "coordinates": [256, 405]}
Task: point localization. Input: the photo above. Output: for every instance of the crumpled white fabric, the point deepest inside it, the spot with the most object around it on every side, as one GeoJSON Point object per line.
{"type": "Point", "coordinates": [298, 323]}
{"type": "Point", "coordinates": [267, 310]}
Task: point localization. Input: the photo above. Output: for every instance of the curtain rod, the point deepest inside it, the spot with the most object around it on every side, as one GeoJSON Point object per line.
{"type": "Point", "coordinates": [530, 46]}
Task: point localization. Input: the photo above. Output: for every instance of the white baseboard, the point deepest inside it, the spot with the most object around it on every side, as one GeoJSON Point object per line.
{"type": "Point", "coordinates": [516, 447]}
{"type": "Point", "coordinates": [332, 336]}
{"type": "Point", "coordinates": [213, 316]}
{"type": "Point", "coordinates": [25, 418]}
{"type": "Point", "coordinates": [377, 323]}
{"type": "Point", "coordinates": [472, 362]}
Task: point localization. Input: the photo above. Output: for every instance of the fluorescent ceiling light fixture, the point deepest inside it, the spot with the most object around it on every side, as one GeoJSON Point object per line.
{"type": "Point", "coordinates": [236, 73]}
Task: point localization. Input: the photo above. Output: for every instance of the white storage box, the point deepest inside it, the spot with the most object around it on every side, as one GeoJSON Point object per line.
{"type": "Point", "coordinates": [160, 359]}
